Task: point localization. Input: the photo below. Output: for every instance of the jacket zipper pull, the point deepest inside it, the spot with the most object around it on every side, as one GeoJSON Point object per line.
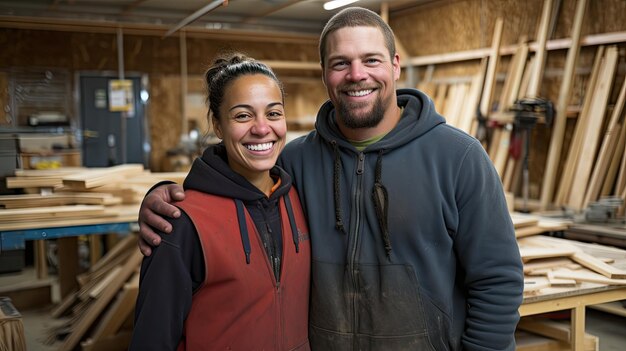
{"type": "Point", "coordinates": [276, 264]}
{"type": "Point", "coordinates": [359, 167]}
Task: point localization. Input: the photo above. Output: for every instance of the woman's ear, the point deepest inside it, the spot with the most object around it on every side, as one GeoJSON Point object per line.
{"type": "Point", "coordinates": [217, 129]}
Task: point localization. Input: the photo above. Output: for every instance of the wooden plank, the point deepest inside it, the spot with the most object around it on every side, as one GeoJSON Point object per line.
{"type": "Point", "coordinates": [454, 103]}
{"type": "Point", "coordinates": [540, 56]}
{"type": "Point", "coordinates": [581, 123]}
{"type": "Point", "coordinates": [531, 253]}
{"type": "Point", "coordinates": [535, 284]}
{"type": "Point", "coordinates": [468, 115]}
{"type": "Point", "coordinates": [492, 67]}
{"type": "Point", "coordinates": [101, 176]}
{"type": "Point", "coordinates": [587, 276]}
{"type": "Point", "coordinates": [509, 95]}
{"type": "Point", "coordinates": [607, 150]}
{"type": "Point", "coordinates": [116, 214]}
{"type": "Point", "coordinates": [52, 173]}
{"type": "Point", "coordinates": [558, 129]}
{"type": "Point", "coordinates": [121, 309]}
{"type": "Point", "coordinates": [546, 264]}
{"type": "Point", "coordinates": [63, 199]}
{"type": "Point", "coordinates": [101, 284]}
{"type": "Point", "coordinates": [86, 320]}
{"type": "Point", "coordinates": [599, 266]}
{"type": "Point", "coordinates": [612, 181]}
{"type": "Point", "coordinates": [559, 282]}
{"type": "Point", "coordinates": [67, 265]}
{"type": "Point", "coordinates": [127, 243]}
{"type": "Point", "coordinates": [440, 97]}
{"type": "Point", "coordinates": [592, 135]}
{"type": "Point", "coordinates": [33, 182]}
{"type": "Point", "coordinates": [52, 212]}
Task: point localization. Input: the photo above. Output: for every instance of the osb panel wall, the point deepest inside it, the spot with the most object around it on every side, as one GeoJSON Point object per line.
{"type": "Point", "coordinates": [165, 117]}
{"type": "Point", "coordinates": [157, 57]}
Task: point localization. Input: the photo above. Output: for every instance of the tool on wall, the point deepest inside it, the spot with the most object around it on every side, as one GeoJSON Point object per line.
{"type": "Point", "coordinates": [528, 112]}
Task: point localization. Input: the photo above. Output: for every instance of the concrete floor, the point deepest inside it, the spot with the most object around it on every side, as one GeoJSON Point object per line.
{"type": "Point", "coordinates": [610, 328]}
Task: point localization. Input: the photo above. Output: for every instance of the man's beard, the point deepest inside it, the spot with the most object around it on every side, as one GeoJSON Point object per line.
{"type": "Point", "coordinates": [350, 118]}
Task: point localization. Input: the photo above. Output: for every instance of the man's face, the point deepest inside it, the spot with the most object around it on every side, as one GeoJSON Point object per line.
{"type": "Point", "coordinates": [360, 76]}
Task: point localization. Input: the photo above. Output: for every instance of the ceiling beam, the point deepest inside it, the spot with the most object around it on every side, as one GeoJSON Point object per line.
{"type": "Point", "coordinates": [126, 11]}
{"type": "Point", "coordinates": [253, 19]}
{"type": "Point", "coordinates": [65, 25]}
{"type": "Point", "coordinates": [194, 16]}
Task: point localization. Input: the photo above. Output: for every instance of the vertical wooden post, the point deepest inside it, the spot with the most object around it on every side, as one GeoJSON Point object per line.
{"type": "Point", "coordinates": [579, 133]}
{"type": "Point", "coordinates": [492, 67]}
{"type": "Point", "coordinates": [540, 55]}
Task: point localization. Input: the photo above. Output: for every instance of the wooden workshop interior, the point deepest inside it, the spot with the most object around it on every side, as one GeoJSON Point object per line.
{"type": "Point", "coordinates": [96, 110]}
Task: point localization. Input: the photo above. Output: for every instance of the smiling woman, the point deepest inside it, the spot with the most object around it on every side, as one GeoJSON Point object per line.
{"type": "Point", "coordinates": [251, 123]}
{"type": "Point", "coordinates": [244, 270]}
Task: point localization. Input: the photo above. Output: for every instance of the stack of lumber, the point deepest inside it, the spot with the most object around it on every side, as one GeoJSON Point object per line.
{"type": "Point", "coordinates": [71, 193]}
{"type": "Point", "coordinates": [99, 315]}
{"type": "Point", "coordinates": [556, 263]}
{"type": "Point", "coordinates": [560, 267]}
{"type": "Point", "coordinates": [528, 224]}
{"type": "Point", "coordinates": [596, 153]}
{"type": "Point", "coordinates": [578, 170]}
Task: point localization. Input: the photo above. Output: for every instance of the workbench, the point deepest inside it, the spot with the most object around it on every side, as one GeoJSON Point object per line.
{"type": "Point", "coordinates": [576, 299]}
{"type": "Point", "coordinates": [122, 220]}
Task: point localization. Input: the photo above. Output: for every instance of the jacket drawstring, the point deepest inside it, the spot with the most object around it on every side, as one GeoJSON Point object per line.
{"type": "Point", "coordinates": [243, 229]}
{"type": "Point", "coordinates": [336, 191]}
{"type": "Point", "coordinates": [292, 223]}
{"type": "Point", "coordinates": [381, 203]}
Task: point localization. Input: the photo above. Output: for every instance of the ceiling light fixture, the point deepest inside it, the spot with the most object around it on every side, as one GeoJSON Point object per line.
{"type": "Point", "coordinates": [331, 5]}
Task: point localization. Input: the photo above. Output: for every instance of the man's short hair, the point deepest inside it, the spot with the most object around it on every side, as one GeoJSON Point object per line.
{"type": "Point", "coordinates": [356, 17]}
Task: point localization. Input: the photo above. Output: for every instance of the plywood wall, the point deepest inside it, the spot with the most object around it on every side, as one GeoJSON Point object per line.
{"type": "Point", "coordinates": [159, 59]}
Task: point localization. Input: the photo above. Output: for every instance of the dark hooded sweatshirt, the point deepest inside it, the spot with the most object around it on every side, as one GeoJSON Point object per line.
{"type": "Point", "coordinates": [176, 268]}
{"type": "Point", "coordinates": [412, 244]}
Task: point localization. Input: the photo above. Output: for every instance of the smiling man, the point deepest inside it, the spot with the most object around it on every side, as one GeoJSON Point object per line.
{"type": "Point", "coordinates": [412, 244]}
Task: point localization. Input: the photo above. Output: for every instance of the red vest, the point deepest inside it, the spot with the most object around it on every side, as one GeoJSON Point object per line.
{"type": "Point", "coordinates": [240, 306]}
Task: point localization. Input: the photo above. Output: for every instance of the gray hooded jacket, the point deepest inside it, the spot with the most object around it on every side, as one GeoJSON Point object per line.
{"type": "Point", "coordinates": [412, 244]}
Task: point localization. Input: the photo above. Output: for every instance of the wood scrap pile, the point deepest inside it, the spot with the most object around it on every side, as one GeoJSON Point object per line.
{"type": "Point", "coordinates": [555, 263]}
{"type": "Point", "coordinates": [99, 315]}
{"type": "Point", "coordinates": [70, 193]}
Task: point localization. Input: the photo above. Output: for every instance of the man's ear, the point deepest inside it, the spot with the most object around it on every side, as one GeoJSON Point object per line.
{"type": "Point", "coordinates": [396, 66]}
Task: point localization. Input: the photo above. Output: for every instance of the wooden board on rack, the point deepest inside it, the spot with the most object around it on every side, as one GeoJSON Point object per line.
{"type": "Point", "coordinates": [101, 176]}
{"type": "Point", "coordinates": [593, 128]}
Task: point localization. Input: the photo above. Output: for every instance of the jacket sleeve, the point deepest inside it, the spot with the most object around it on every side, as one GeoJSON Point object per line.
{"type": "Point", "coordinates": [168, 279]}
{"type": "Point", "coordinates": [489, 255]}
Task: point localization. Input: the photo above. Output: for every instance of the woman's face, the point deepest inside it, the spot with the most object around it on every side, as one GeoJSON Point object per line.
{"type": "Point", "coordinates": [252, 124]}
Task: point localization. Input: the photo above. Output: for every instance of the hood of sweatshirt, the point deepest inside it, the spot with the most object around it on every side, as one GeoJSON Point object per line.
{"type": "Point", "coordinates": [418, 117]}
{"type": "Point", "coordinates": [211, 174]}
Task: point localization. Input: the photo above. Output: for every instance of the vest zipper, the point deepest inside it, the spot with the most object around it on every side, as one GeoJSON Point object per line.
{"type": "Point", "coordinates": [355, 234]}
